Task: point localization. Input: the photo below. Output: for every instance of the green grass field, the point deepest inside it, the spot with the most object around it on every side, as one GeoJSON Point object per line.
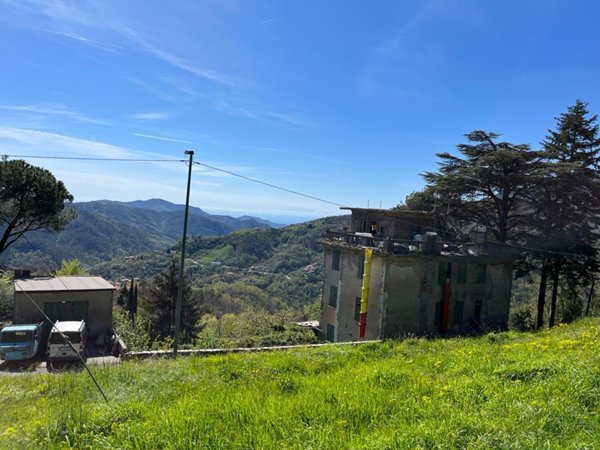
{"type": "Point", "coordinates": [499, 391]}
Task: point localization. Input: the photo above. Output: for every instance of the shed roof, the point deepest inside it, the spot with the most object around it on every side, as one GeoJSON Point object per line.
{"type": "Point", "coordinates": [62, 284]}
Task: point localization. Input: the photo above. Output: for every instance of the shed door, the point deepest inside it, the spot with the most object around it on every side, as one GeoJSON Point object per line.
{"type": "Point", "coordinates": [66, 310]}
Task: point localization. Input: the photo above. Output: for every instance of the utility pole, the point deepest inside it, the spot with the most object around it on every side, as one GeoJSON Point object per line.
{"type": "Point", "coordinates": [182, 261]}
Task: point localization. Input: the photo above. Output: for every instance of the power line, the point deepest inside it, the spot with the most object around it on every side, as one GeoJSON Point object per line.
{"type": "Point", "coordinates": [291, 191]}
{"type": "Point", "coordinates": [82, 158]}
{"type": "Point", "coordinates": [264, 183]}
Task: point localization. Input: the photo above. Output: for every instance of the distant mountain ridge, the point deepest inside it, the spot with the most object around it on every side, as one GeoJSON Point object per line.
{"type": "Point", "coordinates": [105, 229]}
{"type": "Point", "coordinates": [159, 205]}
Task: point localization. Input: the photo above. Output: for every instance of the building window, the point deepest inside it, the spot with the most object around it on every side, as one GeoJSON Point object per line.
{"type": "Point", "coordinates": [335, 260]}
{"type": "Point", "coordinates": [461, 276]}
{"type": "Point", "coordinates": [361, 265]}
{"type": "Point", "coordinates": [357, 308]}
{"type": "Point", "coordinates": [443, 272]}
{"type": "Point", "coordinates": [477, 310]}
{"type": "Point", "coordinates": [333, 296]}
{"type": "Point", "coordinates": [480, 273]}
{"type": "Point", "coordinates": [459, 308]}
{"type": "Point", "coordinates": [437, 318]}
{"type": "Point", "coordinates": [330, 332]}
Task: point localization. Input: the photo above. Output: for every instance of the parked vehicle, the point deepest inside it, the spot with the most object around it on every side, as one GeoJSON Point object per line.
{"type": "Point", "coordinates": [59, 349]}
{"type": "Point", "coordinates": [20, 342]}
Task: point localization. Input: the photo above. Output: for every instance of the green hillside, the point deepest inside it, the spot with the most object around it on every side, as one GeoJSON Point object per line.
{"type": "Point", "coordinates": [104, 230]}
{"type": "Point", "coordinates": [499, 391]}
{"type": "Point", "coordinates": [286, 263]}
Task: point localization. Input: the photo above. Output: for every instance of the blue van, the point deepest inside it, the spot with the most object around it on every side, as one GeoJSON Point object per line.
{"type": "Point", "coordinates": [19, 342]}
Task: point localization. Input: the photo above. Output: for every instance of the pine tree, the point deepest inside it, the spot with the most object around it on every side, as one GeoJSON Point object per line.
{"type": "Point", "coordinates": [565, 202]}
{"type": "Point", "coordinates": [161, 304]}
{"type": "Point", "coordinates": [487, 184]}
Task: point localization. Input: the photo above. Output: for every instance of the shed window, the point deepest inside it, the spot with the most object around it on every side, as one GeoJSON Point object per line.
{"type": "Point", "coordinates": [335, 260]}
{"type": "Point", "coordinates": [357, 308]}
{"type": "Point", "coordinates": [333, 296]}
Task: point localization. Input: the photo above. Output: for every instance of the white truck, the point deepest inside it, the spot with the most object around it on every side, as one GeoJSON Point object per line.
{"type": "Point", "coordinates": [58, 347]}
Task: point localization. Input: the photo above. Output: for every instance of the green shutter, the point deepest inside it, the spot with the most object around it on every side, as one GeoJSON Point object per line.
{"type": "Point", "coordinates": [481, 273]}
{"type": "Point", "coordinates": [442, 272]}
{"type": "Point", "coordinates": [458, 312]}
{"type": "Point", "coordinates": [361, 265]}
{"type": "Point", "coordinates": [461, 277]}
{"type": "Point", "coordinates": [335, 260]}
{"type": "Point", "coordinates": [330, 332]}
{"type": "Point", "coordinates": [66, 310]}
{"type": "Point", "coordinates": [437, 318]}
{"type": "Point", "coordinates": [357, 309]}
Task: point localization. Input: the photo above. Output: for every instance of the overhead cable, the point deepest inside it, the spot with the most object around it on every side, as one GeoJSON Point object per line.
{"type": "Point", "coordinates": [83, 158]}
{"type": "Point", "coordinates": [268, 184]}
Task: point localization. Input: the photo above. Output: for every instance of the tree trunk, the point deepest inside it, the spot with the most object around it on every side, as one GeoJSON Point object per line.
{"type": "Point", "coordinates": [555, 275]}
{"type": "Point", "coordinates": [541, 297]}
{"type": "Point", "coordinates": [589, 299]}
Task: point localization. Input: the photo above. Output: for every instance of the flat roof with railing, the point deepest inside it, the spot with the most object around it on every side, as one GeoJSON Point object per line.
{"type": "Point", "coordinates": [430, 246]}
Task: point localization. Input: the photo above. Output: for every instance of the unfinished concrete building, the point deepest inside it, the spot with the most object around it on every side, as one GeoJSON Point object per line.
{"type": "Point", "coordinates": [391, 275]}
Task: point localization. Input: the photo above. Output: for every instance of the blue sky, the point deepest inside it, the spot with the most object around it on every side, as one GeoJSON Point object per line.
{"type": "Point", "coordinates": [344, 100]}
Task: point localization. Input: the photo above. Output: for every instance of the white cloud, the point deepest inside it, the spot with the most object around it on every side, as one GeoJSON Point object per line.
{"type": "Point", "coordinates": [186, 65]}
{"type": "Point", "coordinates": [53, 109]}
{"type": "Point", "coordinates": [100, 24]}
{"type": "Point", "coordinates": [257, 114]}
{"type": "Point", "coordinates": [47, 142]}
{"type": "Point", "coordinates": [93, 180]}
{"type": "Point", "coordinates": [150, 116]}
{"type": "Point", "coordinates": [162, 138]}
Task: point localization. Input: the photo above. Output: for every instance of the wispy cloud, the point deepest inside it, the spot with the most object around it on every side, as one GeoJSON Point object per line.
{"type": "Point", "coordinates": [53, 109]}
{"type": "Point", "coordinates": [156, 92]}
{"type": "Point", "coordinates": [401, 58]}
{"type": "Point", "coordinates": [258, 114]}
{"type": "Point", "coordinates": [182, 87]}
{"type": "Point", "coordinates": [183, 63]}
{"type": "Point", "coordinates": [37, 141]}
{"type": "Point", "coordinates": [96, 24]}
{"type": "Point", "coordinates": [162, 138]}
{"type": "Point", "coordinates": [150, 116]}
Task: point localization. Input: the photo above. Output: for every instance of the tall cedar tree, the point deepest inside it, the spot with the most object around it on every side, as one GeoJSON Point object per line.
{"type": "Point", "coordinates": [161, 304]}
{"type": "Point", "coordinates": [487, 184]}
{"type": "Point", "coordinates": [565, 202]}
{"type": "Point", "coordinates": [30, 199]}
